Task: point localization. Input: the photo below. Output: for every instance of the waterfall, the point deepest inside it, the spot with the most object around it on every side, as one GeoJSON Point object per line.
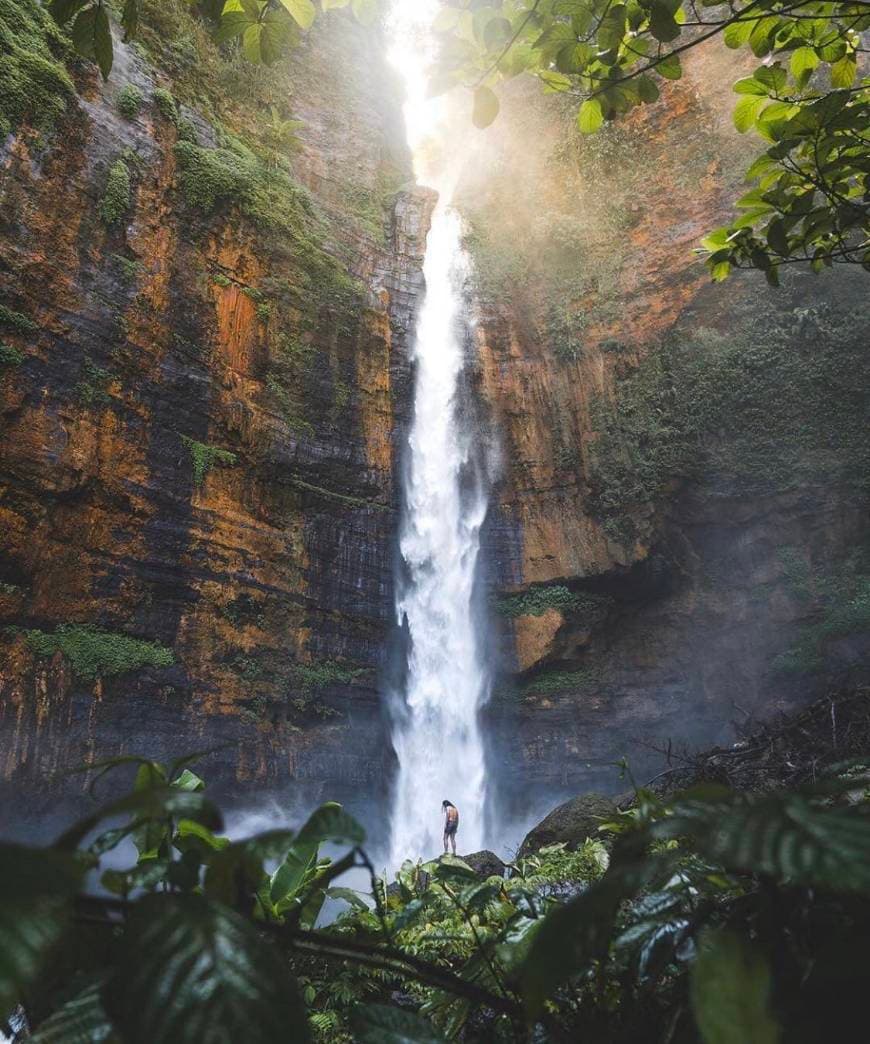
{"type": "Point", "coordinates": [436, 734]}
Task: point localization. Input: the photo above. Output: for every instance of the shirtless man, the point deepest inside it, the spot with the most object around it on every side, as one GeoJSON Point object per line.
{"type": "Point", "coordinates": [451, 824]}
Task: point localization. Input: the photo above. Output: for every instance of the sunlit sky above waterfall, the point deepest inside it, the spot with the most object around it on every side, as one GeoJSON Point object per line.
{"type": "Point", "coordinates": [411, 52]}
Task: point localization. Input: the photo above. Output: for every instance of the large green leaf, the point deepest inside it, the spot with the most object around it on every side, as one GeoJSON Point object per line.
{"type": "Point", "coordinates": [81, 1020]}
{"type": "Point", "coordinates": [576, 933]}
{"type": "Point", "coordinates": [485, 109]}
{"type": "Point", "coordinates": [784, 836]}
{"type": "Point", "coordinates": [157, 803]}
{"type": "Point", "coordinates": [380, 1024]}
{"type": "Point", "coordinates": [190, 970]}
{"type": "Point", "coordinates": [36, 888]}
{"type": "Point", "coordinates": [731, 992]}
{"type": "Point", "coordinates": [331, 823]}
{"type": "Point", "coordinates": [302, 11]}
{"type": "Point", "coordinates": [92, 37]}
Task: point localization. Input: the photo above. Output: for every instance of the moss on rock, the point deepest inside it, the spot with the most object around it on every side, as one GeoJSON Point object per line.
{"type": "Point", "coordinates": [95, 653]}
{"type": "Point", "coordinates": [118, 195]}
{"type": "Point", "coordinates": [34, 82]}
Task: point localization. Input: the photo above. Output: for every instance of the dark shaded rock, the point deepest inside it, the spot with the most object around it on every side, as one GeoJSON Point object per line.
{"type": "Point", "coordinates": [485, 863]}
{"type": "Point", "coordinates": [570, 823]}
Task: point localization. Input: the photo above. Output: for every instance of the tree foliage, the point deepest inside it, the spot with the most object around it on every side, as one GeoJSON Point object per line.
{"type": "Point", "coordinates": [715, 917]}
{"type": "Point", "coordinates": [264, 29]}
{"type": "Point", "coordinates": [810, 195]}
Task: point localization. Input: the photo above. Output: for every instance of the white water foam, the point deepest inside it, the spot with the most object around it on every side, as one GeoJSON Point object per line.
{"type": "Point", "coordinates": [436, 733]}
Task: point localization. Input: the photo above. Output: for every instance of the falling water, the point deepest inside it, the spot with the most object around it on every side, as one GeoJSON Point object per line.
{"type": "Point", "coordinates": [436, 734]}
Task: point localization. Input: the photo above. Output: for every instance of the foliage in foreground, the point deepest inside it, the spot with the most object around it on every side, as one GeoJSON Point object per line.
{"type": "Point", "coordinates": [265, 29]}
{"type": "Point", "coordinates": [716, 917]}
{"type": "Point", "coordinates": [810, 200]}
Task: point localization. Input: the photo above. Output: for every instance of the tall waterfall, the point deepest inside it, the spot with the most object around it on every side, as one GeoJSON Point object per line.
{"type": "Point", "coordinates": [436, 734]}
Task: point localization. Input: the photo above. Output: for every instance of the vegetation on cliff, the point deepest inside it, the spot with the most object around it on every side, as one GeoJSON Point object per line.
{"type": "Point", "coordinates": [807, 101]}
{"type": "Point", "coordinates": [95, 653]}
{"type": "Point", "coordinates": [714, 916]}
{"type": "Point", "coordinates": [34, 82]}
{"type": "Point", "coordinates": [768, 406]}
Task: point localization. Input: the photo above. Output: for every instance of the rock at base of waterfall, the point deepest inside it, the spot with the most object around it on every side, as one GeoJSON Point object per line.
{"type": "Point", "coordinates": [485, 863]}
{"type": "Point", "coordinates": [569, 824]}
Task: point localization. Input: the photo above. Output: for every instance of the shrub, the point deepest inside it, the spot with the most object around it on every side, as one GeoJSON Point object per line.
{"type": "Point", "coordinates": [91, 388]}
{"type": "Point", "coordinates": [10, 356]}
{"type": "Point", "coordinates": [117, 197]}
{"type": "Point", "coordinates": [17, 320]}
{"type": "Point", "coordinates": [94, 653]}
{"type": "Point", "coordinates": [205, 457]}
{"type": "Point", "coordinates": [129, 101]}
{"type": "Point", "coordinates": [537, 600]}
{"type": "Point", "coordinates": [166, 104]}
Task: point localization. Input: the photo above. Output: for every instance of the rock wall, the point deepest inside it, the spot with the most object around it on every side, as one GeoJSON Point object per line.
{"type": "Point", "coordinates": [679, 542]}
{"type": "Point", "coordinates": [207, 377]}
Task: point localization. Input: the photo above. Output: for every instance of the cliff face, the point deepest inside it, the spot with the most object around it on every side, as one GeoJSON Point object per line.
{"type": "Point", "coordinates": [680, 532]}
{"type": "Point", "coordinates": [207, 371]}
{"type": "Point", "coordinates": [204, 381]}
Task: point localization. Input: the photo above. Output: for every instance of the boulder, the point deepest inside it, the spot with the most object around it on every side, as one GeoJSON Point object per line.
{"type": "Point", "coordinates": [570, 823]}
{"type": "Point", "coordinates": [485, 863]}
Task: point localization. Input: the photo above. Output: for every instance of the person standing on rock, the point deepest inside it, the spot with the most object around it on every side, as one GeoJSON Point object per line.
{"type": "Point", "coordinates": [451, 824]}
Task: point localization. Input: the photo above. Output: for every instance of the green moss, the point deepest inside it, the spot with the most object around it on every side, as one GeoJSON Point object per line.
{"type": "Point", "coordinates": [117, 197]}
{"type": "Point", "coordinates": [309, 677]}
{"type": "Point", "coordinates": [219, 279]}
{"type": "Point", "coordinates": [34, 83]}
{"type": "Point", "coordinates": [129, 268]}
{"type": "Point", "coordinates": [166, 104]}
{"type": "Point", "coordinates": [91, 389]}
{"type": "Point", "coordinates": [289, 405]}
{"type": "Point", "coordinates": [537, 600]}
{"type": "Point", "coordinates": [552, 683]}
{"type": "Point", "coordinates": [10, 356]}
{"type": "Point", "coordinates": [186, 130]}
{"type": "Point", "coordinates": [94, 653]}
{"type": "Point", "coordinates": [205, 457]}
{"type": "Point", "coordinates": [775, 404]}
{"type": "Point", "coordinates": [17, 320]}
{"type": "Point", "coordinates": [840, 600]}
{"type": "Point", "coordinates": [130, 100]}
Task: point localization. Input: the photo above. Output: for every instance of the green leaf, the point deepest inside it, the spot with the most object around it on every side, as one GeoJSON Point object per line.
{"type": "Point", "coordinates": [662, 23]}
{"type": "Point", "coordinates": [749, 85]}
{"type": "Point", "coordinates": [590, 117]}
{"type": "Point", "coordinates": [232, 24]}
{"type": "Point", "coordinates": [130, 19]}
{"type": "Point", "coordinates": [81, 1020]}
{"type": "Point", "coordinates": [302, 11]}
{"type": "Point", "coordinates": [485, 108]}
{"type": "Point", "coordinates": [188, 781]}
{"type": "Point", "coordinates": [670, 67]}
{"type": "Point", "coordinates": [730, 987]}
{"type": "Point", "coordinates": [190, 970]}
{"type": "Point", "coordinates": [349, 896]}
{"type": "Point", "coordinates": [737, 34]}
{"type": "Point", "coordinates": [154, 803]}
{"type": "Point", "coordinates": [92, 37]}
{"type": "Point", "coordinates": [382, 1024]}
{"type": "Point", "coordinates": [843, 72]}
{"type": "Point", "coordinates": [331, 823]}
{"type": "Point", "coordinates": [36, 887]}
{"type": "Point", "coordinates": [803, 61]}
{"type": "Point", "coordinates": [365, 11]}
{"type": "Point", "coordinates": [746, 112]}
{"type": "Point", "coordinates": [62, 10]}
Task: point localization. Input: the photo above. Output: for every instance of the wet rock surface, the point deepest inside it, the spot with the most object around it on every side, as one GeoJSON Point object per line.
{"type": "Point", "coordinates": [569, 824]}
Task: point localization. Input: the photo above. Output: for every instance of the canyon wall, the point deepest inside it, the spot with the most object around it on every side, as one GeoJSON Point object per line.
{"type": "Point", "coordinates": [680, 544]}
{"type": "Point", "coordinates": [205, 317]}
{"type": "Point", "coordinates": [204, 384]}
